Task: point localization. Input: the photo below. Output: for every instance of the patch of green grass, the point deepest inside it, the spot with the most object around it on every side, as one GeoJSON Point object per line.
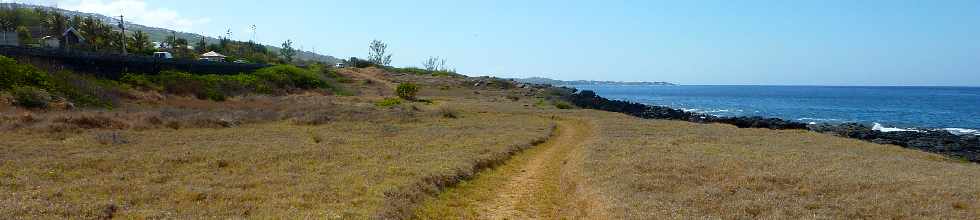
{"type": "Point", "coordinates": [563, 105]}
{"type": "Point", "coordinates": [389, 102]}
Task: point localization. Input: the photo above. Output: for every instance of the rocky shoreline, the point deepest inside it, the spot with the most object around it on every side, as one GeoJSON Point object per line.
{"type": "Point", "coordinates": [966, 147]}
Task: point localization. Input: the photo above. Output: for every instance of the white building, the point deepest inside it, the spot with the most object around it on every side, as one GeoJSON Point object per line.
{"type": "Point", "coordinates": [213, 56]}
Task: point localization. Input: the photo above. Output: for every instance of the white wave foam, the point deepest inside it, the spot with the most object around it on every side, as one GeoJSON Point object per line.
{"type": "Point", "coordinates": [962, 131]}
{"type": "Point", "coordinates": [881, 128]}
{"type": "Point", "coordinates": [817, 119]}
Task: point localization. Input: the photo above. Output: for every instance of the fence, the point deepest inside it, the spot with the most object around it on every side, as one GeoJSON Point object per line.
{"type": "Point", "coordinates": [113, 65]}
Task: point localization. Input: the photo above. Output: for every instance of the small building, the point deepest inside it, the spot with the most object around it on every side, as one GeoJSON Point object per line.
{"type": "Point", "coordinates": [71, 38]}
{"type": "Point", "coordinates": [50, 41]}
{"type": "Point", "coordinates": [213, 56]}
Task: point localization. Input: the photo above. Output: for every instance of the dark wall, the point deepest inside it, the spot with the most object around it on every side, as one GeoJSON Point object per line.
{"type": "Point", "coordinates": [113, 66]}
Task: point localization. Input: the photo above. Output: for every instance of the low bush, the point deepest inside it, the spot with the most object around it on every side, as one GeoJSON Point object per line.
{"type": "Point", "coordinates": [286, 76]}
{"type": "Point", "coordinates": [31, 97]}
{"type": "Point", "coordinates": [407, 91]}
{"type": "Point", "coordinates": [389, 102]}
{"type": "Point", "coordinates": [140, 81]}
{"type": "Point", "coordinates": [563, 105]}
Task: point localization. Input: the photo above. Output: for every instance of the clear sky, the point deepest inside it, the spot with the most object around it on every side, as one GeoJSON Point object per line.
{"type": "Point", "coordinates": [848, 42]}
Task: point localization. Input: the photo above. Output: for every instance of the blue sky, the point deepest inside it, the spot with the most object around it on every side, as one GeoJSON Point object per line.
{"type": "Point", "coordinates": [690, 42]}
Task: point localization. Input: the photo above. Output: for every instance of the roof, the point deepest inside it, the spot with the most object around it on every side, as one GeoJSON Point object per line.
{"type": "Point", "coordinates": [74, 32]}
{"type": "Point", "coordinates": [212, 54]}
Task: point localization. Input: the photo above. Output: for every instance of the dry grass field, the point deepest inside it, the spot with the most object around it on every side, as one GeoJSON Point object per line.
{"type": "Point", "coordinates": [340, 169]}
{"type": "Point", "coordinates": [297, 156]}
{"type": "Point", "coordinates": [466, 151]}
{"type": "Point", "coordinates": [651, 169]}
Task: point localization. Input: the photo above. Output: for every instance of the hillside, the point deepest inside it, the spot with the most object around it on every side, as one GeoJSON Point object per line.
{"type": "Point", "coordinates": [159, 34]}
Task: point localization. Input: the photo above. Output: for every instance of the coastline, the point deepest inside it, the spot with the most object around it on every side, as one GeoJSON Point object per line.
{"type": "Point", "coordinates": [961, 146]}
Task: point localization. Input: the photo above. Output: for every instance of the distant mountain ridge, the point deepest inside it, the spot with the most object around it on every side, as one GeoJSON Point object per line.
{"type": "Point", "coordinates": [160, 34]}
{"type": "Point", "coordinates": [540, 80]}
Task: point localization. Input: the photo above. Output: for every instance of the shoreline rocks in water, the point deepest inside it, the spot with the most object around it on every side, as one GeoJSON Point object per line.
{"type": "Point", "coordinates": [936, 141]}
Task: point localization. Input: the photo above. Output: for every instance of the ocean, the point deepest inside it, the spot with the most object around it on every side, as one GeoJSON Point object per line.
{"type": "Point", "coordinates": [956, 109]}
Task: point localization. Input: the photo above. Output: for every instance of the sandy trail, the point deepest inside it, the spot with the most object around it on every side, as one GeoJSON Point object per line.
{"type": "Point", "coordinates": [549, 184]}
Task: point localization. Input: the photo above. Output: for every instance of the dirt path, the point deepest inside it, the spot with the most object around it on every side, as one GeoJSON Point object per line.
{"type": "Point", "coordinates": [372, 74]}
{"type": "Point", "coordinates": [542, 183]}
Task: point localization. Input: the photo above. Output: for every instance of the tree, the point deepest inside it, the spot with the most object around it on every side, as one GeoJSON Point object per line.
{"type": "Point", "coordinates": [287, 51]}
{"type": "Point", "coordinates": [202, 45]}
{"type": "Point", "coordinates": [140, 43]}
{"type": "Point", "coordinates": [24, 35]}
{"type": "Point", "coordinates": [434, 64]}
{"type": "Point", "coordinates": [379, 54]}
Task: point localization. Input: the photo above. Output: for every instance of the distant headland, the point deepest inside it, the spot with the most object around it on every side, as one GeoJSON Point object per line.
{"type": "Point", "coordinates": [540, 80]}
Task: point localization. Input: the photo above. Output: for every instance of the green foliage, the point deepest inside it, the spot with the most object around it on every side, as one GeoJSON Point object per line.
{"type": "Point", "coordinates": [287, 51]}
{"type": "Point", "coordinates": [276, 79]}
{"type": "Point", "coordinates": [82, 90]}
{"type": "Point", "coordinates": [87, 90]}
{"type": "Point", "coordinates": [140, 81]}
{"type": "Point", "coordinates": [285, 76]}
{"type": "Point", "coordinates": [24, 36]}
{"type": "Point", "coordinates": [31, 97]}
{"type": "Point", "coordinates": [420, 71]}
{"type": "Point", "coordinates": [358, 63]}
{"type": "Point", "coordinates": [407, 91]}
{"type": "Point", "coordinates": [563, 105]}
{"type": "Point", "coordinates": [389, 102]}
{"type": "Point", "coordinates": [13, 74]}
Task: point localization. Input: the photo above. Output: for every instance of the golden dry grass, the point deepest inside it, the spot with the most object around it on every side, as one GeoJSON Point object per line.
{"type": "Point", "coordinates": [652, 169]}
{"type": "Point", "coordinates": [540, 183]}
{"type": "Point", "coordinates": [296, 156]}
{"type": "Point", "coordinates": [338, 170]}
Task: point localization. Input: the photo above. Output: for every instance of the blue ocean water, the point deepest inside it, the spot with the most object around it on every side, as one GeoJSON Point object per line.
{"type": "Point", "coordinates": [887, 108]}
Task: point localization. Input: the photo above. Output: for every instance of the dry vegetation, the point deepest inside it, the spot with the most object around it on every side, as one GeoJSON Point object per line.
{"type": "Point", "coordinates": [677, 170]}
{"type": "Point", "coordinates": [315, 155]}
{"type": "Point", "coordinates": [340, 169]}
{"type": "Point", "coordinates": [297, 156]}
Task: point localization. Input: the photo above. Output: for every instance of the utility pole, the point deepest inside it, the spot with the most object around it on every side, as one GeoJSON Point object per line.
{"type": "Point", "coordinates": [253, 33]}
{"type": "Point", "coordinates": [122, 25]}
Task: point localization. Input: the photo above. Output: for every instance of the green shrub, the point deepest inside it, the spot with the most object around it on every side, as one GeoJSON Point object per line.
{"type": "Point", "coordinates": [181, 83]}
{"type": "Point", "coordinates": [563, 105]}
{"type": "Point", "coordinates": [389, 102]}
{"type": "Point", "coordinates": [80, 89]}
{"type": "Point", "coordinates": [286, 76]}
{"type": "Point", "coordinates": [31, 97]}
{"type": "Point", "coordinates": [14, 75]}
{"type": "Point", "coordinates": [140, 80]}
{"type": "Point", "coordinates": [407, 91]}
{"type": "Point", "coordinates": [87, 90]}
